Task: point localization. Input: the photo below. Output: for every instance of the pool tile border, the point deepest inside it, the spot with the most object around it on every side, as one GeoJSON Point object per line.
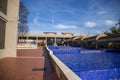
{"type": "Point", "coordinates": [63, 72]}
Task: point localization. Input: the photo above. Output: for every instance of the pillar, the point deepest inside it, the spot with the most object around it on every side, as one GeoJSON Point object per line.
{"type": "Point", "coordinates": [55, 41]}
{"type": "Point", "coordinates": [46, 39]}
{"type": "Point", "coordinates": [27, 39]}
{"type": "Point", "coordinates": [96, 45]}
{"type": "Point", "coordinates": [36, 41]}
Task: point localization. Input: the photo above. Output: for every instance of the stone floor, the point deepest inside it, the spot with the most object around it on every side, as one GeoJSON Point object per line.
{"type": "Point", "coordinates": [30, 64]}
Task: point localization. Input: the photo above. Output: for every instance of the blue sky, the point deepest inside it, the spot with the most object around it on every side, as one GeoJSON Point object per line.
{"type": "Point", "coordinates": [85, 17]}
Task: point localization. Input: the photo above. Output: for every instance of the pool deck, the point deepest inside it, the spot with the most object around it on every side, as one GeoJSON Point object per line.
{"type": "Point", "coordinates": [30, 64]}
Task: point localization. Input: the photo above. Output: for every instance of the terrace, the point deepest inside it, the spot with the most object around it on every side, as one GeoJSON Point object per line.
{"type": "Point", "coordinates": [95, 57]}
{"type": "Point", "coordinates": [30, 64]}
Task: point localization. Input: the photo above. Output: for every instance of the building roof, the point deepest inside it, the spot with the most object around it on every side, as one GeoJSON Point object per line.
{"type": "Point", "coordinates": [77, 38]}
{"type": "Point", "coordinates": [65, 33]}
{"type": "Point", "coordinates": [49, 32]}
{"type": "Point", "coordinates": [111, 37]}
{"type": "Point", "coordinates": [93, 38]}
{"type": "Point", "coordinates": [46, 34]}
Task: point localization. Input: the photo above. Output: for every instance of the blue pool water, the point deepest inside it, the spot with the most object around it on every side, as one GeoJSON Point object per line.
{"type": "Point", "coordinates": [90, 64]}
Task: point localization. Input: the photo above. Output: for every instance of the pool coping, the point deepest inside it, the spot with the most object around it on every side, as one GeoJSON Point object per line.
{"type": "Point", "coordinates": [63, 72]}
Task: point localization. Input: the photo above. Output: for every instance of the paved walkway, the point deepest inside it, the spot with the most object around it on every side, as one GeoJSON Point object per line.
{"type": "Point", "coordinates": [49, 73]}
{"type": "Point", "coordinates": [30, 52]}
{"type": "Point", "coordinates": [29, 65]}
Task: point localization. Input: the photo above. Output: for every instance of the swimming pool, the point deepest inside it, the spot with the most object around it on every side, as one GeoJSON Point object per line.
{"type": "Point", "coordinates": [90, 64]}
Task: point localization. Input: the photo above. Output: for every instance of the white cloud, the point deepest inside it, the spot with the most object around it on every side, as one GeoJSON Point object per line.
{"type": "Point", "coordinates": [109, 22]}
{"type": "Point", "coordinates": [61, 26]}
{"type": "Point", "coordinates": [90, 24]}
{"type": "Point", "coordinates": [102, 12]}
{"type": "Point", "coordinates": [35, 20]}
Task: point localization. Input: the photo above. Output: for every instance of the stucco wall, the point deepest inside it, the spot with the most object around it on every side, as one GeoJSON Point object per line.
{"type": "Point", "coordinates": [11, 29]}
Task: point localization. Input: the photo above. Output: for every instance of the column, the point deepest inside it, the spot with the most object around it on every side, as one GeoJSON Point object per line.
{"type": "Point", "coordinates": [27, 40]}
{"type": "Point", "coordinates": [96, 45]}
{"type": "Point", "coordinates": [55, 42]}
{"type": "Point", "coordinates": [46, 39]}
{"type": "Point", "coordinates": [36, 41]}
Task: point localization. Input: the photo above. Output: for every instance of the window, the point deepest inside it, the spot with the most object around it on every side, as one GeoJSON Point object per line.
{"type": "Point", "coordinates": [2, 33]}
{"type": "Point", "coordinates": [3, 6]}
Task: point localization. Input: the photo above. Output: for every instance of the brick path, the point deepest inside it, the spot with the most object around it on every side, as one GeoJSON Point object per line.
{"type": "Point", "coordinates": [21, 67]}
{"type": "Point", "coordinates": [30, 52]}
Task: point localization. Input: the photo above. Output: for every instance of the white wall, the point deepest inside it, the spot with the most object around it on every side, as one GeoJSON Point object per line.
{"type": "Point", "coordinates": [11, 30]}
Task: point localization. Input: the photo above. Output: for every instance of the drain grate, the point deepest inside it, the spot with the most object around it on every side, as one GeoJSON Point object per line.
{"type": "Point", "coordinates": [38, 69]}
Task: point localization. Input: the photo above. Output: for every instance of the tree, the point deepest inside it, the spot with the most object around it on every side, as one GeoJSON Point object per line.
{"type": "Point", "coordinates": [114, 29]}
{"type": "Point", "coordinates": [23, 15]}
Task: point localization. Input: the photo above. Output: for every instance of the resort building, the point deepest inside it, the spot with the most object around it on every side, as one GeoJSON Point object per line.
{"type": "Point", "coordinates": [45, 38]}
{"type": "Point", "coordinates": [111, 41]}
{"type": "Point", "coordinates": [53, 62]}
{"type": "Point", "coordinates": [101, 41]}
{"type": "Point", "coordinates": [8, 27]}
{"type": "Point", "coordinates": [74, 41]}
{"type": "Point", "coordinates": [91, 41]}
